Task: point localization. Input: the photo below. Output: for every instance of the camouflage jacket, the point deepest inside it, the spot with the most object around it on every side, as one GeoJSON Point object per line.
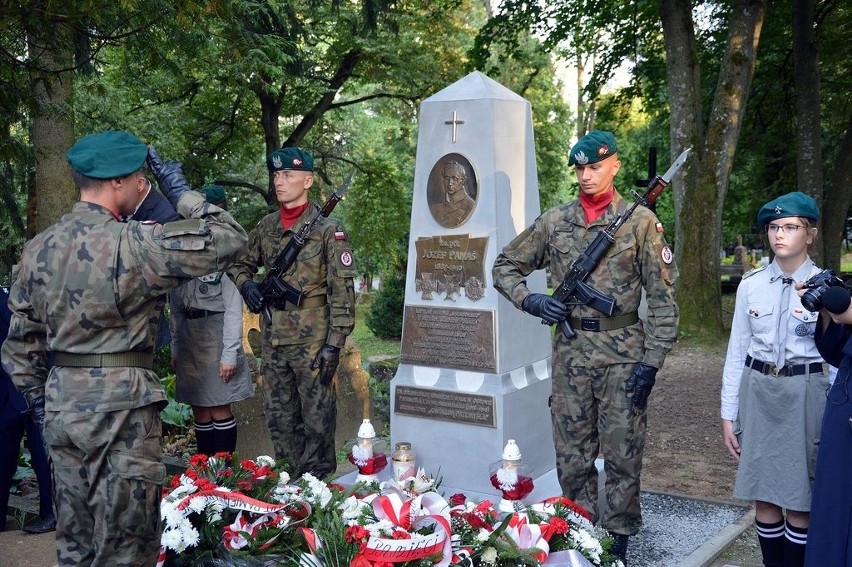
{"type": "Point", "coordinates": [92, 285]}
{"type": "Point", "coordinates": [639, 258]}
{"type": "Point", "coordinates": [325, 267]}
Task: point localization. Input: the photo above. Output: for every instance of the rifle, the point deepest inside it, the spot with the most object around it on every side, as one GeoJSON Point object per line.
{"type": "Point", "coordinates": [574, 290]}
{"type": "Point", "coordinates": [275, 290]}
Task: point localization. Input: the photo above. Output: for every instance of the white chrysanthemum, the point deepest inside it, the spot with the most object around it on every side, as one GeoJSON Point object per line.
{"type": "Point", "coordinates": [171, 540]}
{"type": "Point", "coordinates": [190, 536]}
{"type": "Point", "coordinates": [197, 504]}
{"type": "Point", "coordinates": [482, 534]}
{"type": "Point", "coordinates": [489, 556]}
{"type": "Point", "coordinates": [382, 528]}
{"type": "Point", "coordinates": [172, 517]}
{"type": "Point", "coordinates": [320, 495]}
{"type": "Point", "coordinates": [587, 543]}
{"type": "Point", "coordinates": [283, 477]}
{"type": "Point", "coordinates": [266, 461]}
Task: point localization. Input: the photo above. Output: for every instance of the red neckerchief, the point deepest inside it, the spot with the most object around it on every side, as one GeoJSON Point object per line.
{"type": "Point", "coordinates": [595, 205]}
{"type": "Point", "coordinates": [290, 216]}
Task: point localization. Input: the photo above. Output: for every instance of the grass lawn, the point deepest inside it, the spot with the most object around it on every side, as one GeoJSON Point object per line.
{"type": "Point", "coordinates": [369, 344]}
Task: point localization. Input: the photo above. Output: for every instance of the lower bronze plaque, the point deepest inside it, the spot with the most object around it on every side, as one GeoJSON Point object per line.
{"type": "Point", "coordinates": [444, 405]}
{"type": "Point", "coordinates": [449, 338]}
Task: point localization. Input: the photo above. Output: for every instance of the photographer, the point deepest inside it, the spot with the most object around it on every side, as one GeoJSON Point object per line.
{"type": "Point", "coordinates": [774, 383]}
{"type": "Point", "coordinates": [831, 510]}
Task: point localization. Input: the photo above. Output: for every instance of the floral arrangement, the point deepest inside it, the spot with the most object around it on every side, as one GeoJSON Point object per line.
{"type": "Point", "coordinates": [223, 512]}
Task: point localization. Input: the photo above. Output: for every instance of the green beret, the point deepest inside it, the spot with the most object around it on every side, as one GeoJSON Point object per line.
{"type": "Point", "coordinates": [795, 204]}
{"type": "Point", "coordinates": [595, 146]}
{"type": "Point", "coordinates": [290, 158]}
{"type": "Point", "coordinates": [107, 155]}
{"type": "Point", "coordinates": [215, 194]}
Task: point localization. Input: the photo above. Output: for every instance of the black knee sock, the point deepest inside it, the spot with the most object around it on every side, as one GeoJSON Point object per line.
{"type": "Point", "coordinates": [771, 537]}
{"type": "Point", "coordinates": [226, 434]}
{"type": "Point", "coordinates": [795, 540]}
{"type": "Point", "coordinates": [205, 437]}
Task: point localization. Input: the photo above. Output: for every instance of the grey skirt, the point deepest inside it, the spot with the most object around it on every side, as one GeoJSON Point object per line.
{"type": "Point", "coordinates": [778, 428]}
{"type": "Point", "coordinates": [197, 366]}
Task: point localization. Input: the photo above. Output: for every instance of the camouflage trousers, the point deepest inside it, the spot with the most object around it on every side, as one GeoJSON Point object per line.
{"type": "Point", "coordinates": [301, 413]}
{"type": "Point", "coordinates": [108, 474]}
{"type": "Point", "coordinates": [591, 414]}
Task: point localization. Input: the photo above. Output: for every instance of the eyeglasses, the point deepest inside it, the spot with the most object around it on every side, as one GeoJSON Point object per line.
{"type": "Point", "coordinates": [785, 228]}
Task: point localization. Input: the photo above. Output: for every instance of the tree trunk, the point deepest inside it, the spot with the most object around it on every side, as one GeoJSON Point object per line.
{"type": "Point", "coordinates": [703, 183]}
{"type": "Point", "coordinates": [51, 79]}
{"type": "Point", "coordinates": [838, 194]}
{"type": "Point", "coordinates": [809, 121]}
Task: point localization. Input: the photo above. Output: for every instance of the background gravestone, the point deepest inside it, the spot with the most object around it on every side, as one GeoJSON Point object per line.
{"type": "Point", "coordinates": [474, 370]}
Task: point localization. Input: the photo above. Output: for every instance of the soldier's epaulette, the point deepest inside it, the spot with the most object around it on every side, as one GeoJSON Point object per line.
{"type": "Point", "coordinates": [750, 273]}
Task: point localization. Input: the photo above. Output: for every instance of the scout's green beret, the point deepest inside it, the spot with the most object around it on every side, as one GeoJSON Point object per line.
{"type": "Point", "coordinates": [290, 158]}
{"type": "Point", "coordinates": [215, 194]}
{"type": "Point", "coordinates": [595, 146]}
{"type": "Point", "coordinates": [107, 155]}
{"type": "Point", "coordinates": [795, 204]}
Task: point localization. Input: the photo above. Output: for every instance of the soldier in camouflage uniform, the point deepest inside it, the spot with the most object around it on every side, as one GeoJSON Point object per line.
{"type": "Point", "coordinates": [602, 377]}
{"type": "Point", "coordinates": [301, 346]}
{"type": "Point", "coordinates": [88, 292]}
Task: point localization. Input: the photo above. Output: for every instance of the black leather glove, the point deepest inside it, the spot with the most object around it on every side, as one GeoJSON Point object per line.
{"type": "Point", "coordinates": [640, 383]}
{"type": "Point", "coordinates": [252, 296]}
{"type": "Point", "coordinates": [35, 407]}
{"type": "Point", "coordinates": [542, 305]}
{"type": "Point", "coordinates": [326, 360]}
{"type": "Point", "coordinates": [169, 176]}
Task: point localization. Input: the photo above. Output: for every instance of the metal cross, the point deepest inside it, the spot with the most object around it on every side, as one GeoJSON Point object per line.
{"type": "Point", "coordinates": [455, 122]}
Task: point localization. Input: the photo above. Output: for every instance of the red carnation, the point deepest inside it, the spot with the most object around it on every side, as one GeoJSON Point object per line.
{"type": "Point", "coordinates": [198, 460]}
{"type": "Point", "coordinates": [559, 525]}
{"type": "Point", "coordinates": [248, 465]}
{"type": "Point", "coordinates": [356, 534]}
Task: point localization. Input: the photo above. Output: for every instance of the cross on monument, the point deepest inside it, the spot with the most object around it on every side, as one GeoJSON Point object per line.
{"type": "Point", "coordinates": [455, 122]}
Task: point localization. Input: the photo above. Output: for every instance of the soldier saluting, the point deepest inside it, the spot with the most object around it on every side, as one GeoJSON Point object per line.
{"type": "Point", "coordinates": [89, 291]}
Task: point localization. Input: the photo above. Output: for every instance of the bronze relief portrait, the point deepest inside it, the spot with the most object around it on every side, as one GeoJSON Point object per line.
{"type": "Point", "coordinates": [452, 190]}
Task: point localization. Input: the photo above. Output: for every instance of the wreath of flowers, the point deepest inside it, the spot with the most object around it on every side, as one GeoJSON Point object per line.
{"type": "Point", "coordinates": [231, 513]}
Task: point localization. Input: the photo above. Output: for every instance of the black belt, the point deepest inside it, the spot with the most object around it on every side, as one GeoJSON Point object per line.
{"type": "Point", "coordinates": [193, 313]}
{"type": "Point", "coordinates": [604, 323]}
{"type": "Point", "coordinates": [109, 360]}
{"type": "Point", "coordinates": [786, 370]}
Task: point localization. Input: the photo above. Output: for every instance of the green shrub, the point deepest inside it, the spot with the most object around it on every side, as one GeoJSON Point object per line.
{"type": "Point", "coordinates": [385, 318]}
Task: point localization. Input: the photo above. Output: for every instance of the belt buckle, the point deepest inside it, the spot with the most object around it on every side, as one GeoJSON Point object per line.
{"type": "Point", "coordinates": [590, 324]}
{"type": "Point", "coordinates": [772, 370]}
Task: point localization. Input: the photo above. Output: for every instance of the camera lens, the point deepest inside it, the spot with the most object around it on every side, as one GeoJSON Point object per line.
{"type": "Point", "coordinates": [811, 299]}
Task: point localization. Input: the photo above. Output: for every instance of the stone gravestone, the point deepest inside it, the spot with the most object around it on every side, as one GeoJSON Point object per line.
{"type": "Point", "coordinates": [474, 370]}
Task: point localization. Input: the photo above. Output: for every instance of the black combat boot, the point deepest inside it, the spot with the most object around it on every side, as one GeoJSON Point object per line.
{"type": "Point", "coordinates": [619, 546]}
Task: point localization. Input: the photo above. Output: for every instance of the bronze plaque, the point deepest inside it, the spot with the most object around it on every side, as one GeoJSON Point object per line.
{"type": "Point", "coordinates": [449, 338]}
{"type": "Point", "coordinates": [444, 405]}
{"type": "Point", "coordinates": [452, 190]}
{"type": "Point", "coordinates": [447, 265]}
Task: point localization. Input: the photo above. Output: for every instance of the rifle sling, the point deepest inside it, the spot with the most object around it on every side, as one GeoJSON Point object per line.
{"type": "Point", "coordinates": [595, 324]}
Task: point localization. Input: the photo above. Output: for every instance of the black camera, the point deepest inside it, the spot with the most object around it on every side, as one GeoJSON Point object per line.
{"type": "Point", "coordinates": [817, 286]}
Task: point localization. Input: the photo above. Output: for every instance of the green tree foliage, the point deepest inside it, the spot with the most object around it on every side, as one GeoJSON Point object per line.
{"type": "Point", "coordinates": [385, 318]}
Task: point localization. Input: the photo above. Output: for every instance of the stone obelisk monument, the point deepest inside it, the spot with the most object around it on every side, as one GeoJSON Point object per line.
{"type": "Point", "coordinates": [474, 370]}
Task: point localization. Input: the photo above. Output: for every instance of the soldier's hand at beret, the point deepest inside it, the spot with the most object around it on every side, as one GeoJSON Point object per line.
{"type": "Point", "coordinates": [169, 175]}
{"type": "Point", "coordinates": [640, 382]}
{"type": "Point", "coordinates": [252, 296]}
{"type": "Point", "coordinates": [326, 360]}
{"type": "Point", "coordinates": [548, 309]}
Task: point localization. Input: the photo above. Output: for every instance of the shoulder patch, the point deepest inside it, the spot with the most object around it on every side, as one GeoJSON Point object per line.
{"type": "Point", "coordinates": [185, 226]}
{"type": "Point", "coordinates": [750, 273]}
